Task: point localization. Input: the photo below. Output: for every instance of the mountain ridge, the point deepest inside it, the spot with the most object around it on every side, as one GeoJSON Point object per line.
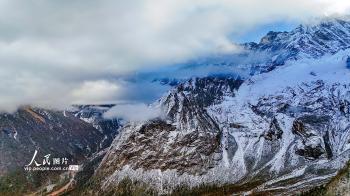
{"type": "Point", "coordinates": [268, 133]}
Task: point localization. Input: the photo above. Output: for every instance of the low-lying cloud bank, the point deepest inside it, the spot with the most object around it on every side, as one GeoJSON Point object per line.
{"type": "Point", "coordinates": [56, 53]}
{"type": "Point", "coordinates": [133, 112]}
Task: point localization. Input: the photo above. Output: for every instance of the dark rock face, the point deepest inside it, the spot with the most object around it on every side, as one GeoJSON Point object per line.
{"type": "Point", "coordinates": [184, 153]}
{"type": "Point", "coordinates": [304, 125]}
{"type": "Point", "coordinates": [275, 132]}
{"type": "Point", "coordinates": [348, 62]}
{"type": "Point", "coordinates": [205, 91]}
{"type": "Point", "coordinates": [298, 128]}
{"type": "Point", "coordinates": [307, 128]}
{"type": "Point", "coordinates": [344, 107]}
{"type": "Point", "coordinates": [310, 152]}
{"type": "Point", "coordinates": [236, 126]}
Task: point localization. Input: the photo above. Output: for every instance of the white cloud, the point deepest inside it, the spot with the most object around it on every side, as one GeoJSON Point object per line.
{"type": "Point", "coordinates": [100, 91]}
{"type": "Point", "coordinates": [337, 7]}
{"type": "Point", "coordinates": [49, 50]}
{"type": "Point", "coordinates": [133, 112]}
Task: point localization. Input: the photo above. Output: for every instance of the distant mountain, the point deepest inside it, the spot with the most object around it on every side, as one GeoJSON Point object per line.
{"type": "Point", "coordinates": [306, 41]}
{"type": "Point", "coordinates": [275, 49]}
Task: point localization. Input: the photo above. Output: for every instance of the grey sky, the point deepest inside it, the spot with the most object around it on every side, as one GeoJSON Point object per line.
{"type": "Point", "coordinates": [55, 53]}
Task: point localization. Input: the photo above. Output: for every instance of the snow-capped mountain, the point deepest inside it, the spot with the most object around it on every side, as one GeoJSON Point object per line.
{"type": "Point", "coordinates": [283, 130]}
{"type": "Point", "coordinates": [306, 41]}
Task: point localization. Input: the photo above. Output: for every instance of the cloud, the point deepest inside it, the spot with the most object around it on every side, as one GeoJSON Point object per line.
{"type": "Point", "coordinates": [52, 52]}
{"type": "Point", "coordinates": [95, 92]}
{"type": "Point", "coordinates": [133, 112]}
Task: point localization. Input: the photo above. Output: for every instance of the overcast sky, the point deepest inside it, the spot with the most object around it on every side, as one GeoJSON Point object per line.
{"type": "Point", "coordinates": [56, 53]}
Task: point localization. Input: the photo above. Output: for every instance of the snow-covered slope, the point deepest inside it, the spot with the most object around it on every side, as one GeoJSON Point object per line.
{"type": "Point", "coordinates": [306, 41]}
{"type": "Point", "coordinates": [314, 40]}
{"type": "Point", "coordinates": [284, 130]}
{"type": "Point", "coordinates": [291, 123]}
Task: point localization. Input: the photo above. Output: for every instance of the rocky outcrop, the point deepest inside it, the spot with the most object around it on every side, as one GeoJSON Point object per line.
{"type": "Point", "coordinates": [274, 132]}
{"type": "Point", "coordinates": [313, 146]}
